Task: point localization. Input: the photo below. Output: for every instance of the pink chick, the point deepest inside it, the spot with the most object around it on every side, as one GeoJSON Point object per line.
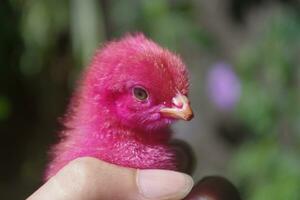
{"type": "Point", "coordinates": [122, 110]}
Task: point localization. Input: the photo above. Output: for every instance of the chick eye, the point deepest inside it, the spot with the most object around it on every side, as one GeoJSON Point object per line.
{"type": "Point", "coordinates": [140, 93]}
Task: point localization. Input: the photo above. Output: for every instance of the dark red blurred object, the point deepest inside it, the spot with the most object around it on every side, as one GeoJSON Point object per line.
{"type": "Point", "coordinates": [185, 156]}
{"type": "Point", "coordinates": [214, 188]}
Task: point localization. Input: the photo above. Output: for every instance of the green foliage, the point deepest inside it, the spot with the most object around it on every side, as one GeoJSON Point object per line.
{"type": "Point", "coordinates": [266, 170]}
{"type": "Point", "coordinates": [87, 29]}
{"type": "Point", "coordinates": [170, 24]}
{"type": "Point", "coordinates": [5, 108]}
{"type": "Point", "coordinates": [40, 27]}
{"type": "Point", "coordinates": [268, 166]}
{"type": "Point", "coordinates": [270, 72]}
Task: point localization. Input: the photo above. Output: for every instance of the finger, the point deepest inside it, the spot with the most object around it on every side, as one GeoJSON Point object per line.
{"type": "Point", "coordinates": [89, 178]}
{"type": "Point", "coordinates": [214, 188]}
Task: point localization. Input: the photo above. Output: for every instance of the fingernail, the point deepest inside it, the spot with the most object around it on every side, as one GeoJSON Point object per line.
{"type": "Point", "coordinates": [163, 184]}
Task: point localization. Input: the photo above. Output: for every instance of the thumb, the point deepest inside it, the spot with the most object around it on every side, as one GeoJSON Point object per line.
{"type": "Point", "coordinates": [89, 178]}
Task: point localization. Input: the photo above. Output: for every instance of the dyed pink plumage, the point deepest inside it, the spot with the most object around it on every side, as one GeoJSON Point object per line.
{"type": "Point", "coordinates": [107, 122]}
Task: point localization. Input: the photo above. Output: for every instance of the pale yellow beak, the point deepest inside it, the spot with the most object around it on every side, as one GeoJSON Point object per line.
{"type": "Point", "coordinates": [181, 108]}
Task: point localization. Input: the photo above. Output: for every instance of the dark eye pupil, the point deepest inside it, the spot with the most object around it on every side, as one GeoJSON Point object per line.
{"type": "Point", "coordinates": [140, 93]}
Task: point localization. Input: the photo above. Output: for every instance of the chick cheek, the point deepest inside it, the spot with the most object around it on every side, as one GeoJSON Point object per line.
{"type": "Point", "coordinates": [130, 112]}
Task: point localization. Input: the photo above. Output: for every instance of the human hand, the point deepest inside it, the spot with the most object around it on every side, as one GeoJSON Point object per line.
{"type": "Point", "coordinates": [89, 178]}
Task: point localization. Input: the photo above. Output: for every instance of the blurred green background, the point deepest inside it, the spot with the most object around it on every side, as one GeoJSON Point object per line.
{"type": "Point", "coordinates": [244, 58]}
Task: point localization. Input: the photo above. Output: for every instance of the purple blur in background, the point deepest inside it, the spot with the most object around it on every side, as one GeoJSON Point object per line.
{"type": "Point", "coordinates": [224, 86]}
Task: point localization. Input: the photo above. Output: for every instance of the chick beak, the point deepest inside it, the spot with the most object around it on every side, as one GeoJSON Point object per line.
{"type": "Point", "coordinates": [181, 108]}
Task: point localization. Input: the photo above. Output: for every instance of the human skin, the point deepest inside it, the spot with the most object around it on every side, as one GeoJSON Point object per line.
{"type": "Point", "coordinates": [88, 178]}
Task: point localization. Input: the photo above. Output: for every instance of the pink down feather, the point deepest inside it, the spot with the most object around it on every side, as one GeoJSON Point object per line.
{"type": "Point", "coordinates": [110, 119]}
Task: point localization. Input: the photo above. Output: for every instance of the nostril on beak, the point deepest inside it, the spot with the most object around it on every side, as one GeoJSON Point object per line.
{"type": "Point", "coordinates": [177, 102]}
{"type": "Point", "coordinates": [178, 105]}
